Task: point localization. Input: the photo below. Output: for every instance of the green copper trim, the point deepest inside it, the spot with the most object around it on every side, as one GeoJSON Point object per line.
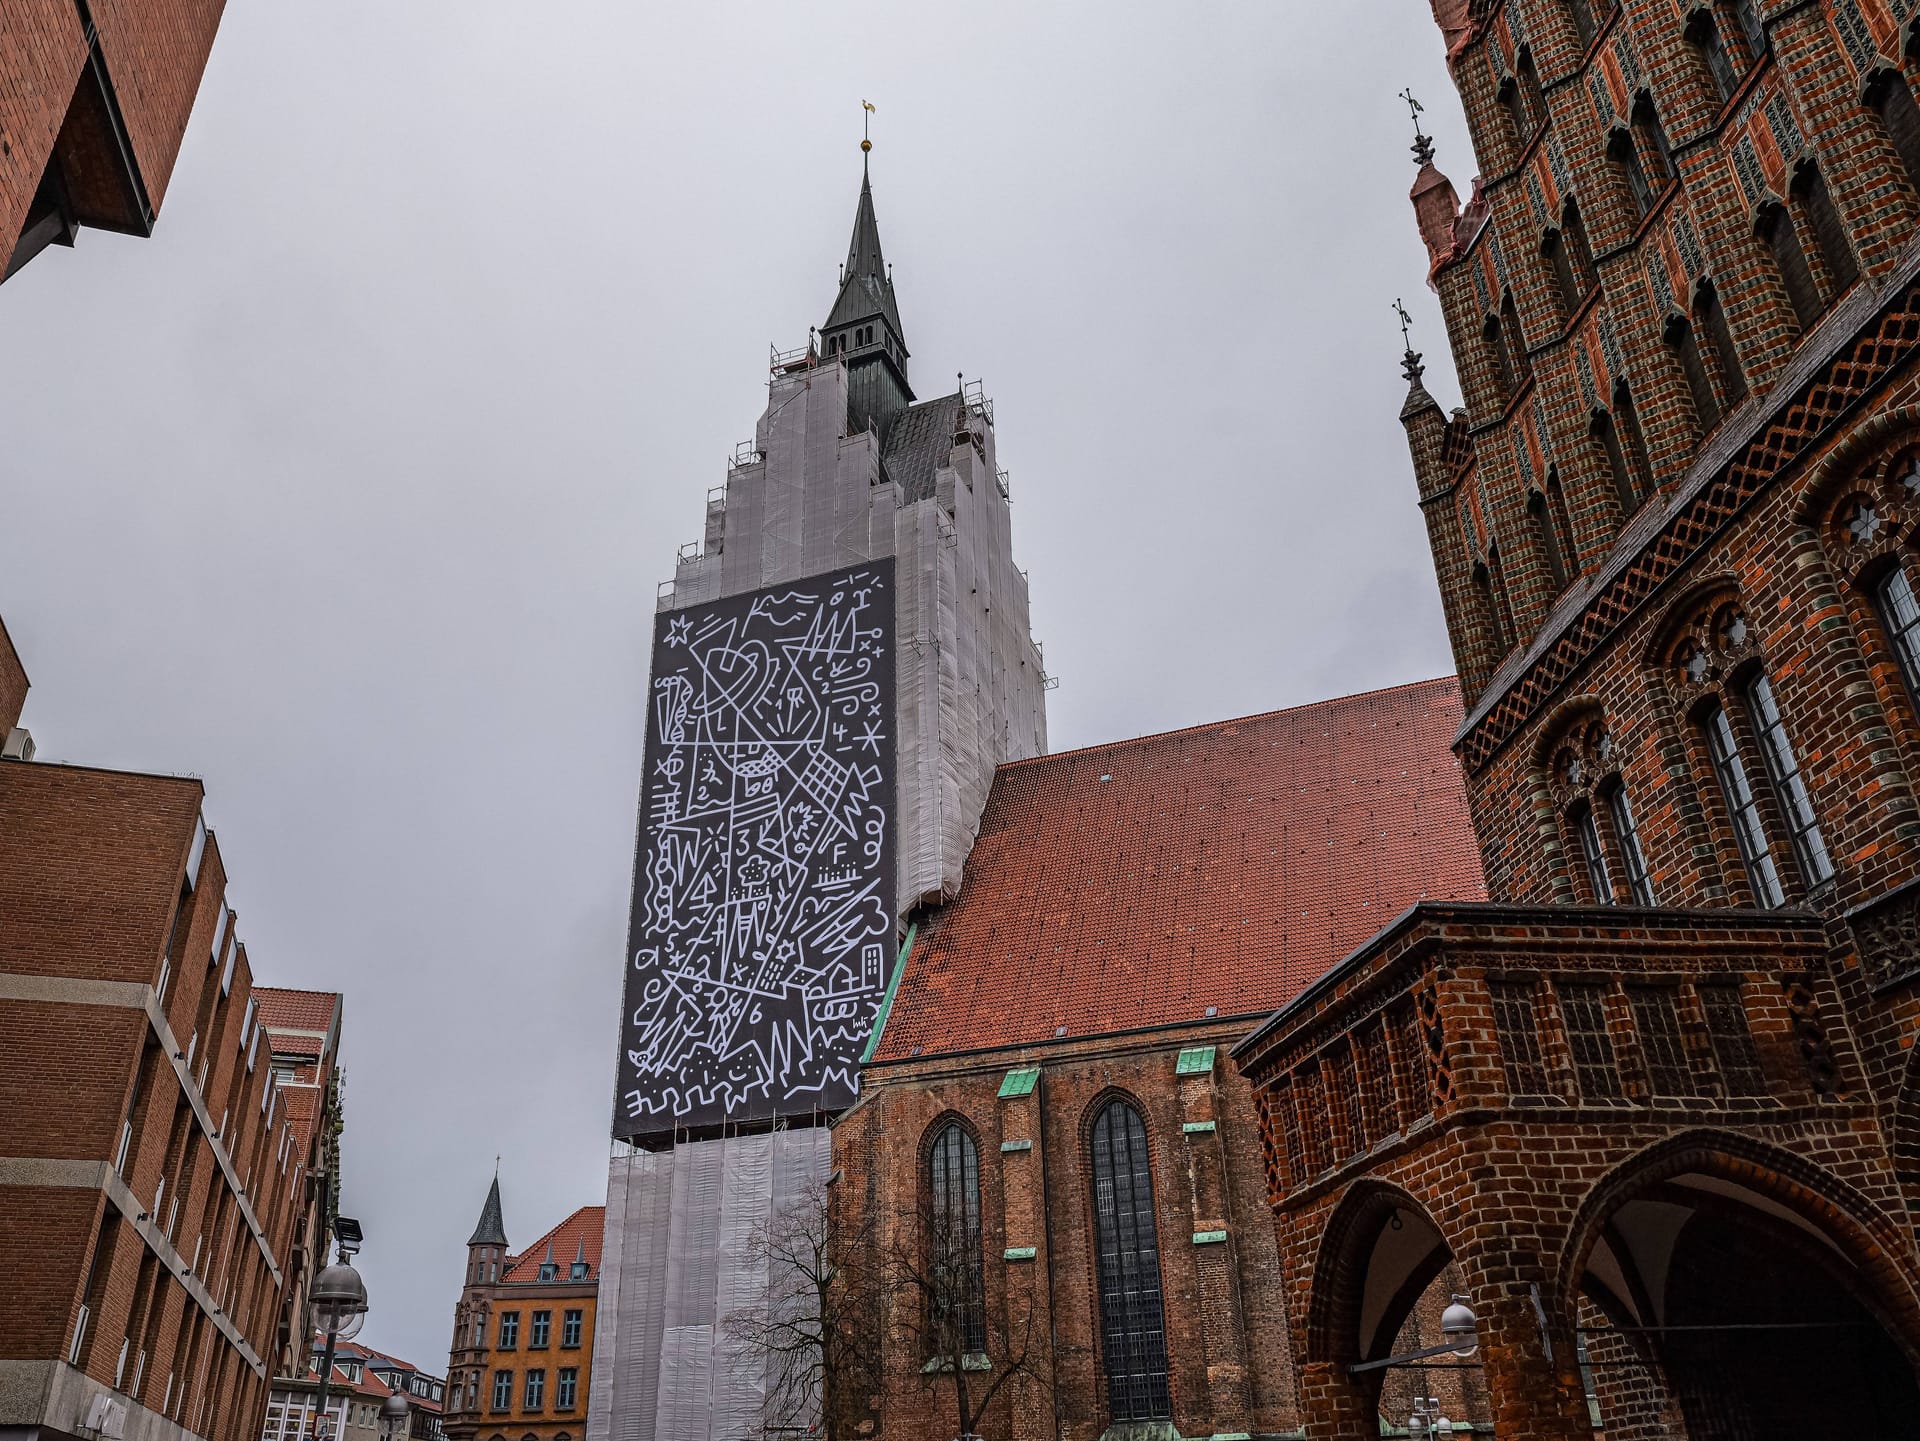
{"type": "Point", "coordinates": [886, 1001]}
{"type": "Point", "coordinates": [1195, 1061]}
{"type": "Point", "coordinates": [1019, 1253]}
{"type": "Point", "coordinates": [1195, 1128]}
{"type": "Point", "coordinates": [1208, 1238]}
{"type": "Point", "coordinates": [1020, 1081]}
{"type": "Point", "coordinates": [1006, 1146]}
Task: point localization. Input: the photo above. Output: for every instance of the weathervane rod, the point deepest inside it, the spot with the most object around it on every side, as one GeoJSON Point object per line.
{"type": "Point", "coordinates": [866, 114]}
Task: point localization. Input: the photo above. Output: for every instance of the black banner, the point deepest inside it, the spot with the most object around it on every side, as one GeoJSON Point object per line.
{"type": "Point", "coordinates": [763, 926]}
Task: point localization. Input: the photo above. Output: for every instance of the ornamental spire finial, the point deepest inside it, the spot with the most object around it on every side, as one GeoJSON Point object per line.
{"type": "Point", "coordinates": [1410, 361]}
{"type": "Point", "coordinates": [866, 114]}
{"type": "Point", "coordinates": [1422, 142]}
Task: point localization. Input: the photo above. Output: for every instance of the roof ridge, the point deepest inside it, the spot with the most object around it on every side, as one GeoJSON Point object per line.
{"type": "Point", "coordinates": [1231, 721]}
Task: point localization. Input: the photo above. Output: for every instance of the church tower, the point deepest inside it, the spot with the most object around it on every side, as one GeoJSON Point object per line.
{"type": "Point", "coordinates": [837, 672]}
{"type": "Point", "coordinates": [469, 1359]}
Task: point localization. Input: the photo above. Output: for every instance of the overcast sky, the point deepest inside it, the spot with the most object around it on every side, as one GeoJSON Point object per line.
{"type": "Point", "coordinates": [349, 490]}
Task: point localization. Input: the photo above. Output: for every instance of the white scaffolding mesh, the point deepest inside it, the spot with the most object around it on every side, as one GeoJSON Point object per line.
{"type": "Point", "coordinates": [680, 1229]}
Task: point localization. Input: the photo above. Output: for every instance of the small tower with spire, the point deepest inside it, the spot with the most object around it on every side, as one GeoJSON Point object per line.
{"type": "Point", "coordinates": [863, 328]}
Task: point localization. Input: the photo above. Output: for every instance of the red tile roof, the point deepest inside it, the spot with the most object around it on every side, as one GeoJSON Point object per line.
{"type": "Point", "coordinates": [586, 1224]}
{"type": "Point", "coordinates": [1135, 884]}
{"type": "Point", "coordinates": [285, 1010]}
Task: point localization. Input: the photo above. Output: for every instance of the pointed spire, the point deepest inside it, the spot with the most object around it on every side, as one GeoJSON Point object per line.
{"type": "Point", "coordinates": [1410, 366]}
{"type": "Point", "coordinates": [580, 1255]}
{"type": "Point", "coordinates": [492, 1230]}
{"type": "Point", "coordinates": [866, 289]}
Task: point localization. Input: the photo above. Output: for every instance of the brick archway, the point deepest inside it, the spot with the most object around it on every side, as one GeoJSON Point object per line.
{"type": "Point", "coordinates": [1380, 1249]}
{"type": "Point", "coordinates": [1709, 1275]}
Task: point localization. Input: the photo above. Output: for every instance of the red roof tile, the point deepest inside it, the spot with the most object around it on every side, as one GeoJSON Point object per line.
{"type": "Point", "coordinates": [285, 1010]}
{"type": "Point", "coordinates": [586, 1224]}
{"type": "Point", "coordinates": [1135, 884]}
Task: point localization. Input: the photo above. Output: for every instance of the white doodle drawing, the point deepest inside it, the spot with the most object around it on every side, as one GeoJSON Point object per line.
{"type": "Point", "coordinates": [763, 898]}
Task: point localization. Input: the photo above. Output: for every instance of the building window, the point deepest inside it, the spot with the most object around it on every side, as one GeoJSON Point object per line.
{"type": "Point", "coordinates": [570, 1324]}
{"type": "Point", "coordinates": [1742, 809]}
{"type": "Point", "coordinates": [536, 1390]}
{"type": "Point", "coordinates": [1704, 34]}
{"type": "Point", "coordinates": [1639, 882]}
{"type": "Point", "coordinates": [537, 1332]}
{"type": "Point", "coordinates": [567, 1388]}
{"type": "Point", "coordinates": [1503, 374]}
{"type": "Point", "coordinates": [1783, 768]}
{"type": "Point", "coordinates": [1553, 246]}
{"type": "Point", "coordinates": [502, 1390]}
{"type": "Point", "coordinates": [1574, 231]}
{"type": "Point", "coordinates": [1483, 587]}
{"type": "Point", "coordinates": [1900, 613]}
{"type": "Point", "coordinates": [1733, 1049]}
{"type": "Point", "coordinates": [1712, 319]}
{"type": "Point", "coordinates": [958, 1302]}
{"type": "Point", "coordinates": [1580, 12]}
{"type": "Point", "coordinates": [1516, 339]}
{"type": "Point", "coordinates": [1536, 99]}
{"type": "Point", "coordinates": [1595, 857]}
{"type": "Point", "coordinates": [1607, 434]}
{"type": "Point", "coordinates": [1544, 526]}
{"type": "Point", "coordinates": [1752, 32]}
{"type": "Point", "coordinates": [1893, 101]}
{"type": "Point", "coordinates": [1583, 1009]}
{"type": "Point", "coordinates": [1790, 259]}
{"type": "Point", "coordinates": [1829, 233]}
{"type": "Point", "coordinates": [1518, 1030]}
{"type": "Point", "coordinates": [1656, 1017]}
{"type": "Point", "coordinates": [509, 1330]}
{"type": "Point", "coordinates": [1686, 349]}
{"type": "Point", "coordinates": [1133, 1333]}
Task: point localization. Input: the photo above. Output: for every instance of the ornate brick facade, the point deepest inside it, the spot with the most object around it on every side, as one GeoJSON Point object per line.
{"type": "Point", "coordinates": [1653, 1103]}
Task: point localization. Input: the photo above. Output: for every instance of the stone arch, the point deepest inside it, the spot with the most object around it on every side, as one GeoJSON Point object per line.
{"type": "Point", "coordinates": [1679, 611]}
{"type": "Point", "coordinates": [1378, 1252]}
{"type": "Point", "coordinates": [1803, 1209]}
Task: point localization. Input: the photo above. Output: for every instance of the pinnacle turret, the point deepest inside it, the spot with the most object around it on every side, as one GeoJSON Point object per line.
{"type": "Point", "coordinates": [492, 1230]}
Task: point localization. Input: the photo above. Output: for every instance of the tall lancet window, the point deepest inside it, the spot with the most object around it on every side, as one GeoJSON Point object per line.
{"type": "Point", "coordinates": [958, 1299]}
{"type": "Point", "coordinates": [1133, 1327]}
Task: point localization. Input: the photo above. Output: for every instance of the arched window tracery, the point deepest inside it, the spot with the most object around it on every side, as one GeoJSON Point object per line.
{"type": "Point", "coordinates": [1133, 1343]}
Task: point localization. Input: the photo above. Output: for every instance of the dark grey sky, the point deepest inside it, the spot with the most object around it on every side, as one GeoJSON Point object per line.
{"type": "Point", "coordinates": [349, 491]}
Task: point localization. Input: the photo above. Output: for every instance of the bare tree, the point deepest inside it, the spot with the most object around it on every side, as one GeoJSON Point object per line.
{"type": "Point", "coordinates": [937, 1295]}
{"type": "Point", "coordinates": [813, 1322]}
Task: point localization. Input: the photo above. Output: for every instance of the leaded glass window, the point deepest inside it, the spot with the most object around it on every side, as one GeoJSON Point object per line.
{"type": "Point", "coordinates": [1133, 1331]}
{"type": "Point", "coordinates": [1784, 769]}
{"type": "Point", "coordinates": [1638, 881]}
{"type": "Point", "coordinates": [1742, 809]}
{"type": "Point", "coordinates": [1583, 1011]}
{"type": "Point", "coordinates": [1900, 612]}
{"type": "Point", "coordinates": [1595, 857]}
{"type": "Point", "coordinates": [957, 1303]}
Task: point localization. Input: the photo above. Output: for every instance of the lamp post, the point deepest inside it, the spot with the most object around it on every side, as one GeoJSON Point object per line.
{"type": "Point", "coordinates": [393, 1417]}
{"type": "Point", "coordinates": [339, 1299]}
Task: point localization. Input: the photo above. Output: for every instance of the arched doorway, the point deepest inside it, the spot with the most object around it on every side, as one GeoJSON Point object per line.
{"type": "Point", "coordinates": [1382, 1279]}
{"type": "Point", "coordinates": [1714, 1302]}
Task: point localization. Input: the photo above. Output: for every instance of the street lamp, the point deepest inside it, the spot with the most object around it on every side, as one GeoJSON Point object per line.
{"type": "Point", "coordinates": [1458, 1325]}
{"type": "Point", "coordinates": [393, 1417]}
{"type": "Point", "coordinates": [339, 1299]}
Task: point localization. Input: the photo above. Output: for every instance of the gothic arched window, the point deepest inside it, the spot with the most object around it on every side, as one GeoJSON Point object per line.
{"type": "Point", "coordinates": [1893, 102]}
{"type": "Point", "coordinates": [1581, 13]}
{"type": "Point", "coordinates": [957, 1313]}
{"type": "Point", "coordinates": [1703, 31]}
{"type": "Point", "coordinates": [1776, 227]}
{"type": "Point", "coordinates": [1686, 349]}
{"type": "Point", "coordinates": [1633, 177]}
{"type": "Point", "coordinates": [1133, 1328]}
{"type": "Point", "coordinates": [1516, 339]}
{"type": "Point", "coordinates": [1711, 317]}
{"type": "Point", "coordinates": [1574, 231]}
{"type": "Point", "coordinates": [1815, 203]}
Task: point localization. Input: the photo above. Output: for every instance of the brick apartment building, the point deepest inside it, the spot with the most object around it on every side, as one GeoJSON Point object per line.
{"type": "Point", "coordinates": [1050, 1071]}
{"type": "Point", "coordinates": [1654, 1102]}
{"type": "Point", "coordinates": [94, 100]}
{"type": "Point", "coordinates": [150, 1188]}
{"type": "Point", "coordinates": [522, 1351]}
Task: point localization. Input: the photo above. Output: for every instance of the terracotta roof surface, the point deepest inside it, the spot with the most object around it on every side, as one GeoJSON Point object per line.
{"type": "Point", "coordinates": [1136, 884]}
{"type": "Point", "coordinates": [580, 1231]}
{"type": "Point", "coordinates": [284, 1010]}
